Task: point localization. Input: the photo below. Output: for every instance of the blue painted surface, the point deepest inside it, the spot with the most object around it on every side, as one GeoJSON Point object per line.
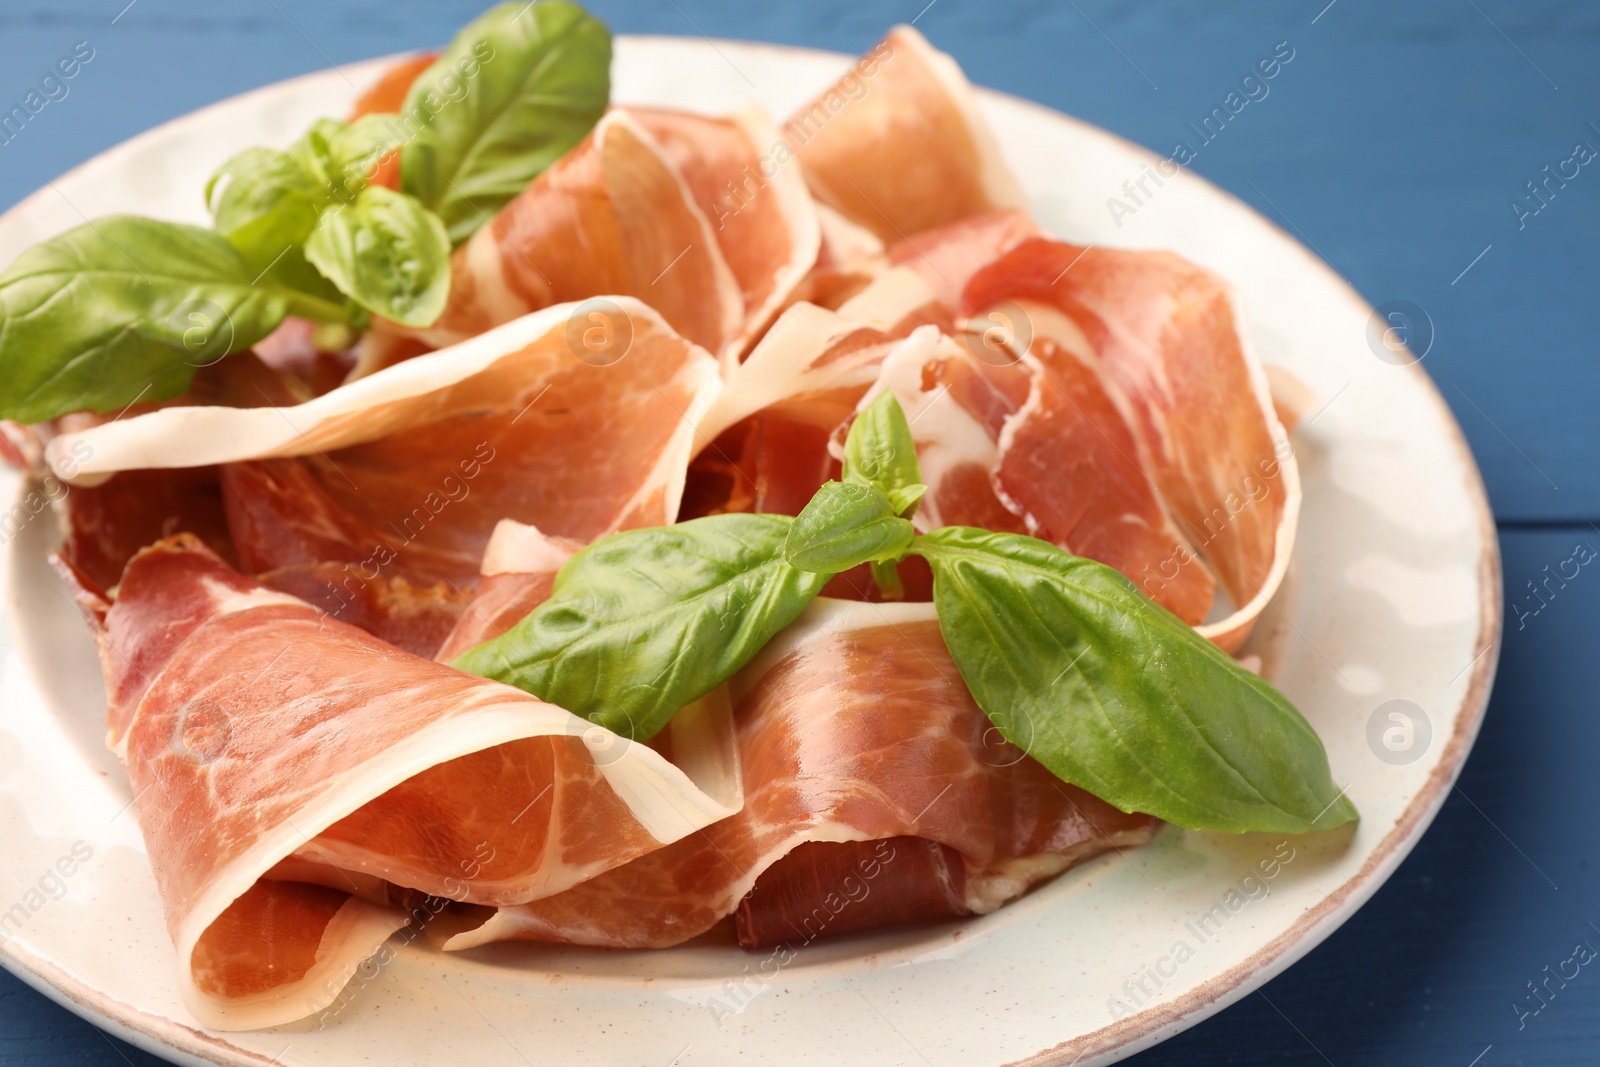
{"type": "Point", "coordinates": [1392, 145]}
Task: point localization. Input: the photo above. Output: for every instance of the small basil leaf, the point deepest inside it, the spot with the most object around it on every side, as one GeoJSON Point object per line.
{"type": "Point", "coordinates": [515, 90]}
{"type": "Point", "coordinates": [357, 149]}
{"type": "Point", "coordinates": [264, 202]}
{"type": "Point", "coordinates": [906, 498]}
{"type": "Point", "coordinates": [845, 525]}
{"type": "Point", "coordinates": [387, 253]}
{"type": "Point", "coordinates": [879, 450]}
{"type": "Point", "coordinates": [124, 309]}
{"type": "Point", "coordinates": [1116, 695]}
{"type": "Point", "coordinates": [315, 153]}
{"type": "Point", "coordinates": [643, 622]}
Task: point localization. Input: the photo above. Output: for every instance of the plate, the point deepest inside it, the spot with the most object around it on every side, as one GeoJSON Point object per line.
{"type": "Point", "coordinates": [1386, 637]}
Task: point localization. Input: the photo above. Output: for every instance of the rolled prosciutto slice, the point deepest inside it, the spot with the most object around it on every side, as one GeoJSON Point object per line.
{"type": "Point", "coordinates": [407, 471]}
{"type": "Point", "coordinates": [614, 215]}
{"type": "Point", "coordinates": [305, 789]}
{"type": "Point", "coordinates": [854, 727]}
{"type": "Point", "coordinates": [897, 145]}
{"type": "Point", "coordinates": [1169, 338]}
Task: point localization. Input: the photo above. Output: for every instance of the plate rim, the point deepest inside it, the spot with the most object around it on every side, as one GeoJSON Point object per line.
{"type": "Point", "coordinates": [1124, 1037]}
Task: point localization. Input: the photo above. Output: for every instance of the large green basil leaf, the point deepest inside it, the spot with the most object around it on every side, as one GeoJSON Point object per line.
{"type": "Point", "coordinates": [124, 309]}
{"type": "Point", "coordinates": [516, 89]}
{"type": "Point", "coordinates": [386, 252]}
{"type": "Point", "coordinates": [643, 622]}
{"type": "Point", "coordinates": [845, 525]}
{"type": "Point", "coordinates": [1116, 695]}
{"type": "Point", "coordinates": [879, 451]}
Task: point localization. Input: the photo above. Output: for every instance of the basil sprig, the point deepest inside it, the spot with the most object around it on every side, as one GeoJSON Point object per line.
{"type": "Point", "coordinates": [1105, 688]}
{"type": "Point", "coordinates": [866, 517]}
{"type": "Point", "coordinates": [124, 308]}
{"type": "Point", "coordinates": [541, 80]}
{"type": "Point", "coordinates": [643, 622]}
{"type": "Point", "coordinates": [312, 204]}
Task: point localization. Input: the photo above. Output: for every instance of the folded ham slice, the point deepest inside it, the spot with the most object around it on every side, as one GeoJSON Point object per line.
{"type": "Point", "coordinates": [302, 784]}
{"type": "Point", "coordinates": [897, 145]}
{"type": "Point", "coordinates": [613, 215]}
{"type": "Point", "coordinates": [408, 470]}
{"type": "Point", "coordinates": [854, 726]}
{"type": "Point", "coordinates": [1169, 339]}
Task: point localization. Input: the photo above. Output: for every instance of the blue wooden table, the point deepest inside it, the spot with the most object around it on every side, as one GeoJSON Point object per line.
{"type": "Point", "coordinates": [1397, 146]}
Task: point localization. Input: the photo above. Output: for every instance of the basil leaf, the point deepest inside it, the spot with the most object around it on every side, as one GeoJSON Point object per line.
{"type": "Point", "coordinates": [906, 498]}
{"type": "Point", "coordinates": [340, 156]}
{"type": "Point", "coordinates": [387, 253]}
{"type": "Point", "coordinates": [355, 151]}
{"type": "Point", "coordinates": [645, 621]}
{"type": "Point", "coordinates": [124, 309]}
{"type": "Point", "coordinates": [516, 89]}
{"type": "Point", "coordinates": [264, 202]}
{"type": "Point", "coordinates": [1116, 695]}
{"type": "Point", "coordinates": [845, 525]}
{"type": "Point", "coordinates": [879, 451]}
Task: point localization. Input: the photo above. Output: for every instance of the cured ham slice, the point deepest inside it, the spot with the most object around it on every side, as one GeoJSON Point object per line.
{"type": "Point", "coordinates": [290, 350]}
{"type": "Point", "coordinates": [1169, 338]}
{"type": "Point", "coordinates": [756, 201]}
{"type": "Point", "coordinates": [519, 570]}
{"type": "Point", "coordinates": [407, 471]}
{"type": "Point", "coordinates": [300, 783]}
{"type": "Point", "coordinates": [853, 726]}
{"type": "Point", "coordinates": [897, 145]}
{"type": "Point", "coordinates": [104, 523]}
{"type": "Point", "coordinates": [614, 215]}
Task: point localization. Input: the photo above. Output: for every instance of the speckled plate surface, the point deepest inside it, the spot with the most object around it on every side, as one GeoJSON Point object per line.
{"type": "Point", "coordinates": [1386, 636]}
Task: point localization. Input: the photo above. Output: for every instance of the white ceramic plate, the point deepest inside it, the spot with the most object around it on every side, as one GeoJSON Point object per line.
{"type": "Point", "coordinates": [1395, 596]}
